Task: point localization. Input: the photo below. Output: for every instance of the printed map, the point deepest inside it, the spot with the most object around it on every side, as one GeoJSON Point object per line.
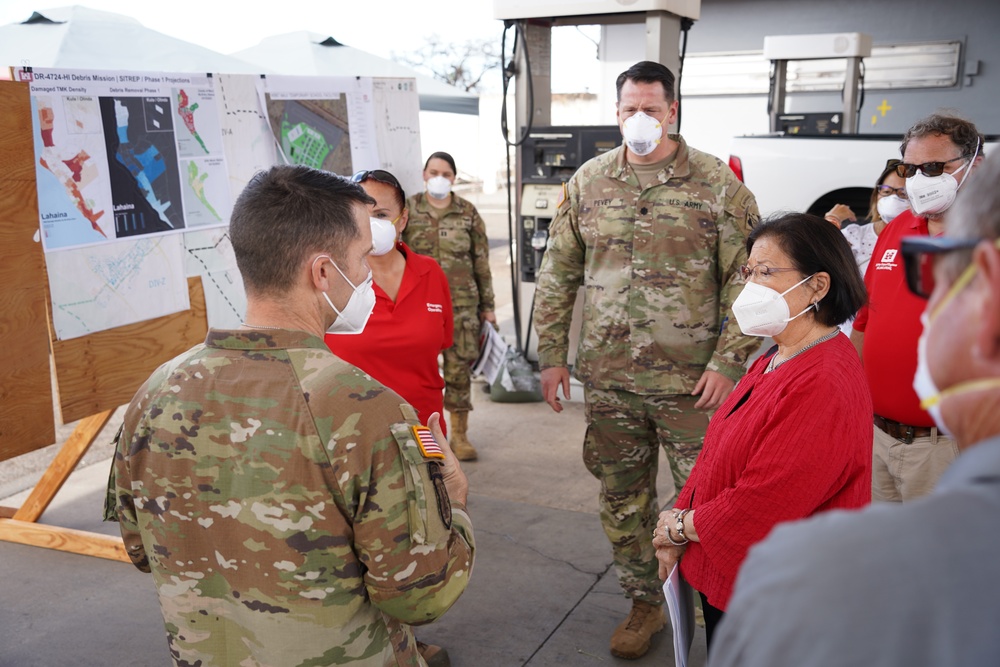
{"type": "Point", "coordinates": [145, 184]}
{"type": "Point", "coordinates": [113, 284]}
{"type": "Point", "coordinates": [397, 130]}
{"type": "Point", "coordinates": [137, 174]}
{"type": "Point", "coordinates": [208, 253]}
{"type": "Point", "coordinates": [206, 192]}
{"type": "Point", "coordinates": [74, 196]}
{"type": "Point", "coordinates": [246, 135]}
{"type": "Point", "coordinates": [313, 132]}
{"type": "Point", "coordinates": [196, 119]}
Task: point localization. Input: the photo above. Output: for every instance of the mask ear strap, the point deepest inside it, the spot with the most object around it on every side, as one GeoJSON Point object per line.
{"type": "Point", "coordinates": [968, 165]}
{"type": "Point", "coordinates": [796, 285]}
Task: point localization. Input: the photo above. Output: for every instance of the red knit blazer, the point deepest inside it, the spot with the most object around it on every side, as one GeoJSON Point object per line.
{"type": "Point", "coordinates": [783, 446]}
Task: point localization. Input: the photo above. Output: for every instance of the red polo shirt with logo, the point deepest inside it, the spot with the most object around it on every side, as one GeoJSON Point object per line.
{"type": "Point", "coordinates": [400, 344]}
{"type": "Point", "coordinates": [891, 324]}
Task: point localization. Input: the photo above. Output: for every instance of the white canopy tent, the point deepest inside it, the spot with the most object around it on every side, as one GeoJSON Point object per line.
{"type": "Point", "coordinates": [309, 54]}
{"type": "Point", "coordinates": [81, 38]}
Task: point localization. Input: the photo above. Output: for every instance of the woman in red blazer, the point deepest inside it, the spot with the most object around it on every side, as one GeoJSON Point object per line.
{"type": "Point", "coordinates": [794, 436]}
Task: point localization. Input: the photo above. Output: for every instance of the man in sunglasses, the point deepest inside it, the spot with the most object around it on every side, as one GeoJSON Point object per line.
{"type": "Point", "coordinates": [909, 452]}
{"type": "Point", "coordinates": [916, 584]}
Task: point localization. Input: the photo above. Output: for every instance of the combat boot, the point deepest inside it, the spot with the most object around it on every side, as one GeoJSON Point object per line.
{"type": "Point", "coordinates": [631, 639]}
{"type": "Point", "coordinates": [434, 656]}
{"type": "Point", "coordinates": [458, 438]}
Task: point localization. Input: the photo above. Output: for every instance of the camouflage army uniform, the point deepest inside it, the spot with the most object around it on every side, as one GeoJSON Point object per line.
{"type": "Point", "coordinates": [456, 238]}
{"type": "Point", "coordinates": [659, 267]}
{"type": "Point", "coordinates": [288, 517]}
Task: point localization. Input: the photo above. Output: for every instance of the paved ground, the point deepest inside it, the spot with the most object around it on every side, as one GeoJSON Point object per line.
{"type": "Point", "coordinates": [542, 593]}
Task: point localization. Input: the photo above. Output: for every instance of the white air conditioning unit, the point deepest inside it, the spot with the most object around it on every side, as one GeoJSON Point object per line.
{"type": "Point", "coordinates": [817, 47]}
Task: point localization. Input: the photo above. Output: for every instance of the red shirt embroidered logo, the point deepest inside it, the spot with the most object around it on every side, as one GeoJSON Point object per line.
{"type": "Point", "coordinates": [888, 261]}
{"type": "Point", "coordinates": [435, 308]}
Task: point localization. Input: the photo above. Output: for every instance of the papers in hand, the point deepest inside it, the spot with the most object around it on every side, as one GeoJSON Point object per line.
{"type": "Point", "coordinates": [680, 605]}
{"type": "Point", "coordinates": [492, 351]}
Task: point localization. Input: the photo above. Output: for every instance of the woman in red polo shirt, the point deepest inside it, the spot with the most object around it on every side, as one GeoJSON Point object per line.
{"type": "Point", "coordinates": [412, 320]}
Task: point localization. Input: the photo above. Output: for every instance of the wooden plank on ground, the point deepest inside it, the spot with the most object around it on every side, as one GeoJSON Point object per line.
{"type": "Point", "coordinates": [26, 419]}
{"type": "Point", "coordinates": [63, 539]}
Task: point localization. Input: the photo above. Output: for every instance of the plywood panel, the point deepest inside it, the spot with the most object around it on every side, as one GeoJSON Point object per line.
{"type": "Point", "coordinates": [103, 370]}
{"type": "Point", "coordinates": [26, 419]}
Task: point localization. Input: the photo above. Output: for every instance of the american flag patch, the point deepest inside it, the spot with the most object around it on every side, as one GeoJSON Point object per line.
{"type": "Point", "coordinates": [428, 445]}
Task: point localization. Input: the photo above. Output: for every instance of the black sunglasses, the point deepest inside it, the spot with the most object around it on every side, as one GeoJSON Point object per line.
{"type": "Point", "coordinates": [918, 259]}
{"type": "Point", "coordinates": [380, 175]}
{"type": "Point", "coordinates": [904, 170]}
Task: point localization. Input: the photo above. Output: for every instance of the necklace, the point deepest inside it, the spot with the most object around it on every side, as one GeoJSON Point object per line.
{"type": "Point", "coordinates": [260, 326]}
{"type": "Point", "coordinates": [774, 363]}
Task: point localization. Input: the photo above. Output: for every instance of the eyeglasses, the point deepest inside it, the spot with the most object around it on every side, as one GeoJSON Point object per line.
{"type": "Point", "coordinates": [904, 170]}
{"type": "Point", "coordinates": [887, 190]}
{"type": "Point", "coordinates": [759, 271]}
{"type": "Point", "coordinates": [918, 260]}
{"type": "Point", "coordinates": [380, 175]}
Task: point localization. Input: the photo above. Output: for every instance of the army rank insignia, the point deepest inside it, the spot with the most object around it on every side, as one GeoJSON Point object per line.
{"type": "Point", "coordinates": [428, 445]}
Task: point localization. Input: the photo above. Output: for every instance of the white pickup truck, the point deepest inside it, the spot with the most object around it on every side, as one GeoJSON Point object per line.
{"type": "Point", "coordinates": [797, 173]}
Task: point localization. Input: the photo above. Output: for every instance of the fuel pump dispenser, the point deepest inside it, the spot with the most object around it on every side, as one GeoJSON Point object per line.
{"type": "Point", "coordinates": [550, 156]}
{"type": "Point", "coordinates": [547, 156]}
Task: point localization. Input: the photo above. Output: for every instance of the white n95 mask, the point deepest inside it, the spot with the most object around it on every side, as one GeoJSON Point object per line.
{"type": "Point", "coordinates": [438, 187]}
{"type": "Point", "coordinates": [353, 318]}
{"type": "Point", "coordinates": [930, 195]}
{"type": "Point", "coordinates": [890, 207]}
{"type": "Point", "coordinates": [923, 383]}
{"type": "Point", "coordinates": [383, 236]}
{"type": "Point", "coordinates": [762, 311]}
{"type": "Point", "coordinates": [927, 390]}
{"type": "Point", "coordinates": [642, 133]}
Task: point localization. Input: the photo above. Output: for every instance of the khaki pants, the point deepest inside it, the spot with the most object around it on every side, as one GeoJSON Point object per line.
{"type": "Point", "coordinates": [902, 472]}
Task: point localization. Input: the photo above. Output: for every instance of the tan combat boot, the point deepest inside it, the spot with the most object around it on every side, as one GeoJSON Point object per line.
{"type": "Point", "coordinates": [632, 637]}
{"type": "Point", "coordinates": [457, 438]}
{"type": "Point", "coordinates": [434, 656]}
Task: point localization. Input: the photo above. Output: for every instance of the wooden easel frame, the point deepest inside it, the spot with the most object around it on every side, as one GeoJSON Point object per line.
{"type": "Point", "coordinates": [95, 373]}
{"type": "Point", "coordinates": [21, 525]}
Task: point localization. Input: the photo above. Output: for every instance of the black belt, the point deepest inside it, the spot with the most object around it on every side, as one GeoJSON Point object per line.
{"type": "Point", "coordinates": [903, 432]}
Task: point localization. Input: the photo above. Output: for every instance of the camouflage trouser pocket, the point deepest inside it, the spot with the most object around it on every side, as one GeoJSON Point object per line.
{"type": "Point", "coordinates": [466, 338]}
{"type": "Point", "coordinates": [427, 508]}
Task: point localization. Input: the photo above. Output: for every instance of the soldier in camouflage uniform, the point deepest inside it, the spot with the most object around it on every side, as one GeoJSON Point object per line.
{"type": "Point", "coordinates": [448, 228]}
{"type": "Point", "coordinates": [292, 510]}
{"type": "Point", "coordinates": [655, 232]}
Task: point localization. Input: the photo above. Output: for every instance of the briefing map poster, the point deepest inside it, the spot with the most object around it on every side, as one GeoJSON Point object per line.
{"type": "Point", "coordinates": [323, 122]}
{"type": "Point", "coordinates": [126, 154]}
{"type": "Point", "coordinates": [125, 162]}
{"type": "Point", "coordinates": [137, 174]}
